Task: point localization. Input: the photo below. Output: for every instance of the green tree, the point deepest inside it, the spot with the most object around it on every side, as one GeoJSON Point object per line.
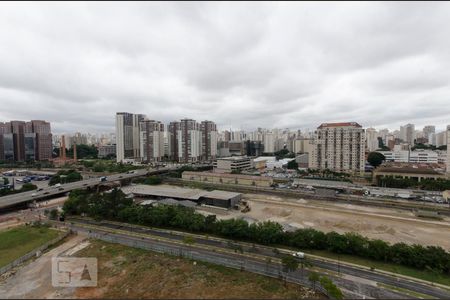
{"type": "Point", "coordinates": [331, 288]}
{"type": "Point", "coordinates": [292, 165]}
{"type": "Point", "coordinates": [313, 277]}
{"type": "Point", "coordinates": [153, 180]}
{"type": "Point", "coordinates": [375, 158]}
{"type": "Point", "coordinates": [289, 263]}
{"type": "Point", "coordinates": [28, 187]}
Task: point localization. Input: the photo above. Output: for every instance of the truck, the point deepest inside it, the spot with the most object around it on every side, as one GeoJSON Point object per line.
{"type": "Point", "coordinates": [403, 195]}
{"type": "Point", "coordinates": [103, 178]}
{"type": "Point", "coordinates": [298, 254]}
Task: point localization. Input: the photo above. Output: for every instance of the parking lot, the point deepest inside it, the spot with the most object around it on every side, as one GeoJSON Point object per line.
{"type": "Point", "coordinates": [17, 179]}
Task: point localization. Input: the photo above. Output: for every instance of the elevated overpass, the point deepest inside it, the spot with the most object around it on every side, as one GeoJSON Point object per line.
{"type": "Point", "coordinates": [48, 192]}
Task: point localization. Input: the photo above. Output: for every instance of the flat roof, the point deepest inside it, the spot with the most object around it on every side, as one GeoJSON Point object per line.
{"type": "Point", "coordinates": [177, 192]}
{"type": "Point", "coordinates": [224, 175]}
{"type": "Point", "coordinates": [407, 170]}
{"type": "Point", "coordinates": [342, 124]}
{"type": "Point", "coordinates": [234, 158]}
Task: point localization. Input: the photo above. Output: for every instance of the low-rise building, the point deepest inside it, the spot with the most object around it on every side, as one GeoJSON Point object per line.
{"type": "Point", "coordinates": [221, 178]}
{"type": "Point", "coordinates": [408, 170]}
{"type": "Point", "coordinates": [167, 195]}
{"type": "Point", "coordinates": [233, 163]}
{"type": "Point", "coordinates": [407, 156]}
{"type": "Point", "coordinates": [105, 150]}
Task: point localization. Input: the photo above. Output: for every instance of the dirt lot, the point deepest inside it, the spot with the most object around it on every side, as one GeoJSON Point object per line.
{"type": "Point", "coordinates": [33, 280]}
{"type": "Point", "coordinates": [18, 218]}
{"type": "Point", "coordinates": [133, 273]}
{"type": "Point", "coordinates": [387, 224]}
{"type": "Point", "coordinates": [125, 272]}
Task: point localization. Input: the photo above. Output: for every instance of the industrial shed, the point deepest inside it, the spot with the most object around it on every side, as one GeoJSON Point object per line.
{"type": "Point", "coordinates": [214, 198]}
{"type": "Point", "coordinates": [221, 199]}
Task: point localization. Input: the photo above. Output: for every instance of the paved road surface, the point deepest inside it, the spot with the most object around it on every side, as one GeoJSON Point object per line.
{"type": "Point", "coordinates": [6, 201]}
{"type": "Point", "coordinates": [267, 251]}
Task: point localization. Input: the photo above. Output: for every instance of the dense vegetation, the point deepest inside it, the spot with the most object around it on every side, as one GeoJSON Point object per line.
{"type": "Point", "coordinates": [108, 166]}
{"type": "Point", "coordinates": [65, 177]}
{"type": "Point", "coordinates": [177, 173]}
{"type": "Point", "coordinates": [150, 180]}
{"type": "Point", "coordinates": [424, 184]}
{"type": "Point", "coordinates": [115, 206]}
{"type": "Point", "coordinates": [292, 165]}
{"type": "Point", "coordinates": [375, 158]}
{"type": "Point", "coordinates": [428, 147]}
{"type": "Point", "coordinates": [83, 151]}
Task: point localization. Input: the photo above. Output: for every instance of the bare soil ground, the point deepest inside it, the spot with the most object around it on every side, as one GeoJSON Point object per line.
{"type": "Point", "coordinates": [33, 280]}
{"type": "Point", "coordinates": [388, 224]}
{"type": "Point", "coordinates": [21, 217]}
{"type": "Point", "coordinates": [126, 272]}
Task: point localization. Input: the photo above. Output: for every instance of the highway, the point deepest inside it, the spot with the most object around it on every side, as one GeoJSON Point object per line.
{"type": "Point", "coordinates": [243, 261]}
{"type": "Point", "coordinates": [47, 192]}
{"type": "Point", "coordinates": [268, 252]}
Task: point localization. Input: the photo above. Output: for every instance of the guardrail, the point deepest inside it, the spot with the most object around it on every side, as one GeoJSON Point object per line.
{"type": "Point", "coordinates": [265, 269]}
{"type": "Point", "coordinates": [35, 252]}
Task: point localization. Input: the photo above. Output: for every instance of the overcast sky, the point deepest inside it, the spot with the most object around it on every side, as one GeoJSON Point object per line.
{"type": "Point", "coordinates": [242, 65]}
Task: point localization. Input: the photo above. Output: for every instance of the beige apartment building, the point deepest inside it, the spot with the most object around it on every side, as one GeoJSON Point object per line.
{"type": "Point", "coordinates": [339, 147]}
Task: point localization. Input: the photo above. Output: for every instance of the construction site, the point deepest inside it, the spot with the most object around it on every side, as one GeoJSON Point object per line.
{"type": "Point", "coordinates": [388, 224]}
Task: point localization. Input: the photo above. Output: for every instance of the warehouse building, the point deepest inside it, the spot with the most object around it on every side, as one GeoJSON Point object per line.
{"type": "Point", "coordinates": [163, 193]}
{"type": "Point", "coordinates": [220, 178]}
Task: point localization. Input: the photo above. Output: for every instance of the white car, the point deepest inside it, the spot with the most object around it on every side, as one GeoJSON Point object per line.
{"type": "Point", "coordinates": [299, 254]}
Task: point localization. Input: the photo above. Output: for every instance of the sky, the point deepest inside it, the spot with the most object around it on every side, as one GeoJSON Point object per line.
{"type": "Point", "coordinates": [241, 65]}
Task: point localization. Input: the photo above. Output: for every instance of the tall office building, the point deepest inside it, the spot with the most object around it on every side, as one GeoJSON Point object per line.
{"type": "Point", "coordinates": [172, 137]}
{"type": "Point", "coordinates": [209, 140]}
{"type": "Point", "coordinates": [428, 131]}
{"type": "Point", "coordinates": [18, 131]}
{"type": "Point", "coordinates": [408, 134]}
{"type": "Point", "coordinates": [269, 142]}
{"type": "Point", "coordinates": [448, 151]}
{"type": "Point", "coordinates": [25, 141]}
{"type": "Point", "coordinates": [151, 140]}
{"type": "Point", "coordinates": [43, 133]}
{"type": "Point", "coordinates": [339, 147]}
{"type": "Point", "coordinates": [371, 139]}
{"type": "Point", "coordinates": [128, 136]}
{"type": "Point", "coordinates": [189, 141]}
{"type": "Point", "coordinates": [137, 119]}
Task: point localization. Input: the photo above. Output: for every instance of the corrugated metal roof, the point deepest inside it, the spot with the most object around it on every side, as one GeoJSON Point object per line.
{"type": "Point", "coordinates": [177, 192]}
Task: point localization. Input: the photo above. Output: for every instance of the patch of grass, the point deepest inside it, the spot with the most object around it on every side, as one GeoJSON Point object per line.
{"type": "Point", "coordinates": [270, 285]}
{"type": "Point", "coordinates": [155, 275]}
{"type": "Point", "coordinates": [20, 240]}
{"type": "Point", "coordinates": [402, 270]}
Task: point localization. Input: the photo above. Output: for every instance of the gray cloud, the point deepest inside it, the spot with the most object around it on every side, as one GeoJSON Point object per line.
{"type": "Point", "coordinates": [242, 65]}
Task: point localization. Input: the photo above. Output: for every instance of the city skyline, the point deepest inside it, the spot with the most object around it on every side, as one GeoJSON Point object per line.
{"type": "Point", "coordinates": [244, 66]}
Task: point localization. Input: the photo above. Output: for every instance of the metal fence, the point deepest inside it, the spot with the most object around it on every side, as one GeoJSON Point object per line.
{"type": "Point", "coordinates": [262, 268]}
{"type": "Point", "coordinates": [32, 253]}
